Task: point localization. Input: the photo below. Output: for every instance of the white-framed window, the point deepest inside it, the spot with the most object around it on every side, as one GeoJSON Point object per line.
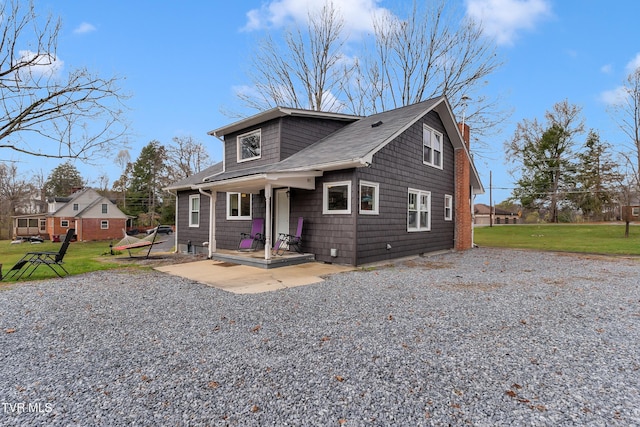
{"type": "Point", "coordinates": [105, 208]}
{"type": "Point", "coordinates": [64, 223]}
{"type": "Point", "coordinates": [249, 146]}
{"type": "Point", "coordinates": [635, 211]}
{"type": "Point", "coordinates": [431, 147]}
{"type": "Point", "coordinates": [75, 206]}
{"type": "Point", "coordinates": [448, 207]}
{"type": "Point", "coordinates": [104, 224]}
{"type": "Point", "coordinates": [194, 210]}
{"type": "Point", "coordinates": [419, 210]}
{"type": "Point", "coordinates": [238, 206]}
{"type": "Point", "coordinates": [336, 197]}
{"type": "Point", "coordinates": [369, 194]}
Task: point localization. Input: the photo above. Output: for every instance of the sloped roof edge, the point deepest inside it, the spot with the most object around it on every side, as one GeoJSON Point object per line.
{"type": "Point", "coordinates": [275, 113]}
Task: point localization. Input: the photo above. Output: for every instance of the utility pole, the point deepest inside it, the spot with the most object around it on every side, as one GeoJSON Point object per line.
{"type": "Point", "coordinates": [490, 199]}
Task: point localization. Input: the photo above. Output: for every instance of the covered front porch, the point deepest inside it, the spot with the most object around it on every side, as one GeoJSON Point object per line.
{"type": "Point", "coordinates": [276, 188]}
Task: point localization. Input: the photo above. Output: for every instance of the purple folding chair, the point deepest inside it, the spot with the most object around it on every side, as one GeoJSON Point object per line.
{"type": "Point", "coordinates": [250, 241]}
{"type": "Point", "coordinates": [290, 241]}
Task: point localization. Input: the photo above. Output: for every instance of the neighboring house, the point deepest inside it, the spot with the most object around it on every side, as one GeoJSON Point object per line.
{"type": "Point", "coordinates": [500, 216]}
{"type": "Point", "coordinates": [393, 184]}
{"type": "Point", "coordinates": [93, 216]}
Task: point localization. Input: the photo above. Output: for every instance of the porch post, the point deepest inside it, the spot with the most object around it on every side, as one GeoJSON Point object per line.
{"type": "Point", "coordinates": [267, 226]}
{"type": "Point", "coordinates": [212, 222]}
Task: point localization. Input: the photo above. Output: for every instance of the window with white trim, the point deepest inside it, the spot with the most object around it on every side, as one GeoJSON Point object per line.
{"type": "Point", "coordinates": [635, 211]}
{"type": "Point", "coordinates": [238, 206]}
{"type": "Point", "coordinates": [419, 210]}
{"type": "Point", "coordinates": [249, 146]}
{"type": "Point", "coordinates": [431, 147]}
{"type": "Point", "coordinates": [104, 224]}
{"type": "Point", "coordinates": [194, 210]}
{"type": "Point", "coordinates": [336, 197]}
{"type": "Point", "coordinates": [105, 208]}
{"type": "Point", "coordinates": [448, 207]}
{"type": "Point", "coordinates": [75, 206]}
{"type": "Point", "coordinates": [64, 223]}
{"type": "Point", "coordinates": [369, 192]}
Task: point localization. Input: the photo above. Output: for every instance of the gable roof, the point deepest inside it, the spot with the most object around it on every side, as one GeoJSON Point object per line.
{"type": "Point", "coordinates": [482, 209]}
{"type": "Point", "coordinates": [65, 201]}
{"type": "Point", "coordinates": [351, 146]}
{"type": "Point", "coordinates": [95, 199]}
{"type": "Point", "coordinates": [359, 141]}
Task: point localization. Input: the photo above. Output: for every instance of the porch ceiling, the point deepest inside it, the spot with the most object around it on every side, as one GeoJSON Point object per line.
{"type": "Point", "coordinates": [254, 183]}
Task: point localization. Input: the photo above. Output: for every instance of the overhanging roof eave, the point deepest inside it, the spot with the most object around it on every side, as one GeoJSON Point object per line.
{"type": "Point", "coordinates": [275, 113]}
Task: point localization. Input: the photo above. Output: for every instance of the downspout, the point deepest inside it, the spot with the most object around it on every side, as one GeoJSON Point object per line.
{"type": "Point", "coordinates": [212, 220]}
{"type": "Point", "coordinates": [175, 237]}
{"type": "Point", "coordinates": [473, 216]}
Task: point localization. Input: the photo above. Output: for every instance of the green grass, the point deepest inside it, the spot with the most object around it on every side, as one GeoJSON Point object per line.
{"type": "Point", "coordinates": [81, 257]}
{"type": "Point", "coordinates": [587, 238]}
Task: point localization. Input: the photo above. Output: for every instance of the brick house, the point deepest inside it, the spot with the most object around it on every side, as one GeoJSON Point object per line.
{"type": "Point", "coordinates": [94, 217]}
{"type": "Point", "coordinates": [389, 185]}
{"type": "Point", "coordinates": [482, 215]}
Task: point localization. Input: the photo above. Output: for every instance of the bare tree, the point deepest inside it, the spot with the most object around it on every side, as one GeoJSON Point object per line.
{"type": "Point", "coordinates": [626, 113]}
{"type": "Point", "coordinates": [186, 157]}
{"type": "Point", "coordinates": [42, 112]}
{"type": "Point", "coordinates": [123, 159]}
{"type": "Point", "coordinates": [434, 51]}
{"type": "Point", "coordinates": [16, 196]}
{"type": "Point", "coordinates": [307, 73]}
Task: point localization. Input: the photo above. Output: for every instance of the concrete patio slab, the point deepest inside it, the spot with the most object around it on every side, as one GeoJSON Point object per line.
{"type": "Point", "coordinates": [243, 279]}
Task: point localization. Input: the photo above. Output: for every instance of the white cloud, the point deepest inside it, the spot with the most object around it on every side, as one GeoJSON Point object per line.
{"type": "Point", "coordinates": [40, 64]}
{"type": "Point", "coordinates": [614, 96]}
{"type": "Point", "coordinates": [634, 64]}
{"type": "Point", "coordinates": [357, 14]}
{"type": "Point", "coordinates": [84, 28]}
{"type": "Point", "coordinates": [606, 69]}
{"type": "Point", "coordinates": [503, 19]}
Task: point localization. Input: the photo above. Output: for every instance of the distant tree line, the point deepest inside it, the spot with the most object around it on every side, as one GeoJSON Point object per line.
{"type": "Point", "coordinates": [562, 174]}
{"type": "Point", "coordinates": [137, 192]}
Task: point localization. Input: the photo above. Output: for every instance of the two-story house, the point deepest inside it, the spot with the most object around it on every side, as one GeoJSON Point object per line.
{"type": "Point", "coordinates": [389, 185]}
{"type": "Point", "coordinates": [94, 217]}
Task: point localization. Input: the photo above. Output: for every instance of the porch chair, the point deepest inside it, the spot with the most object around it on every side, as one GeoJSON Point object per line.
{"type": "Point", "coordinates": [36, 259]}
{"type": "Point", "coordinates": [250, 241]}
{"type": "Point", "coordinates": [290, 241]}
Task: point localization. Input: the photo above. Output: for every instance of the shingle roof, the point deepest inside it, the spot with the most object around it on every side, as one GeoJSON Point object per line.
{"type": "Point", "coordinates": [196, 178]}
{"type": "Point", "coordinates": [352, 145]}
{"type": "Point", "coordinates": [359, 139]}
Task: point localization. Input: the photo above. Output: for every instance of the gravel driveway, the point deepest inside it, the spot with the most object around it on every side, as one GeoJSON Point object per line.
{"type": "Point", "coordinates": [486, 337]}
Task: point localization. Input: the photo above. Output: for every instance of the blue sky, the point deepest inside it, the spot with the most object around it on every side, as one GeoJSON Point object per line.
{"type": "Point", "coordinates": [183, 63]}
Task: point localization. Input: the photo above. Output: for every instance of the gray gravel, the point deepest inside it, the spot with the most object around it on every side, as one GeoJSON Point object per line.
{"type": "Point", "coordinates": [486, 337]}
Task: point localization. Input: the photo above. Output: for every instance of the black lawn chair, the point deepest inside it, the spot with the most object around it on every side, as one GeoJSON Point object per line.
{"type": "Point", "coordinates": [36, 259]}
{"type": "Point", "coordinates": [289, 241]}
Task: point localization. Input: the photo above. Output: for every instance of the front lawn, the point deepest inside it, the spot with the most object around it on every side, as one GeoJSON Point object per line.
{"type": "Point", "coordinates": [81, 257]}
{"type": "Point", "coordinates": [588, 238]}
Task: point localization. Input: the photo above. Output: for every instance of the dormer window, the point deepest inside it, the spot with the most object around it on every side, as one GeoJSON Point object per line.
{"type": "Point", "coordinates": [249, 146]}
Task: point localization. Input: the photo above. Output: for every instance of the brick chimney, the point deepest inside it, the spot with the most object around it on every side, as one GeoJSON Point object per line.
{"type": "Point", "coordinates": [463, 233]}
